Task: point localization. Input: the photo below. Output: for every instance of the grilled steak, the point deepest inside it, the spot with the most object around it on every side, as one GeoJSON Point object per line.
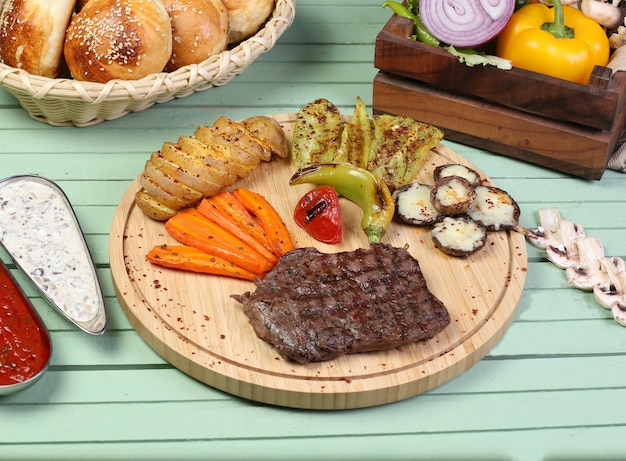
{"type": "Point", "coordinates": [314, 306]}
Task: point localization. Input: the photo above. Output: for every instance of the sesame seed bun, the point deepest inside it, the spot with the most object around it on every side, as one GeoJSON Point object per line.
{"type": "Point", "coordinates": [118, 39]}
{"type": "Point", "coordinates": [32, 33]}
{"type": "Point", "coordinates": [199, 30]}
{"type": "Point", "coordinates": [246, 17]}
{"type": "Point", "coordinates": [80, 4]}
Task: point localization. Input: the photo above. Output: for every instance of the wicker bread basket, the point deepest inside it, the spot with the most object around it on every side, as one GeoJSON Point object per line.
{"type": "Point", "coordinates": [63, 102]}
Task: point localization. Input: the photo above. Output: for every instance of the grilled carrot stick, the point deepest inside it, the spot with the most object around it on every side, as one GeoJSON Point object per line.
{"type": "Point", "coordinates": [190, 227]}
{"type": "Point", "coordinates": [221, 209]}
{"type": "Point", "coordinates": [230, 204]}
{"type": "Point", "coordinates": [275, 228]}
{"type": "Point", "coordinates": [187, 258]}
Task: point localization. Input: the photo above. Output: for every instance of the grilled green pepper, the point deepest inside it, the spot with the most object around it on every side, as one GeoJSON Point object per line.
{"type": "Point", "coordinates": [358, 185]}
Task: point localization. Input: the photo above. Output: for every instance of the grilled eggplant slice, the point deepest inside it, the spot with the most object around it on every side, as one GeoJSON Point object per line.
{"type": "Point", "coordinates": [153, 207]}
{"type": "Point", "coordinates": [393, 148]}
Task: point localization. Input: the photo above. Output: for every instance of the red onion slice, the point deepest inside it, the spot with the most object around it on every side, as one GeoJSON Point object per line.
{"type": "Point", "coordinates": [465, 23]}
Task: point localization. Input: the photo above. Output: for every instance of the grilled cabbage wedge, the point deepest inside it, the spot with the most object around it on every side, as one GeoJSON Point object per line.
{"type": "Point", "coordinates": [317, 134]}
{"type": "Point", "coordinates": [392, 147]}
{"type": "Point", "coordinates": [184, 172]}
{"type": "Point", "coordinates": [399, 148]}
{"type": "Point", "coordinates": [357, 137]}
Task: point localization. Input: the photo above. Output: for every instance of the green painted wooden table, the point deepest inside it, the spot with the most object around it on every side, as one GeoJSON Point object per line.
{"type": "Point", "coordinates": [553, 388]}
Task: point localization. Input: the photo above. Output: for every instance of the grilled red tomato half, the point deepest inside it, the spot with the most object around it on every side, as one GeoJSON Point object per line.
{"type": "Point", "coordinates": [318, 212]}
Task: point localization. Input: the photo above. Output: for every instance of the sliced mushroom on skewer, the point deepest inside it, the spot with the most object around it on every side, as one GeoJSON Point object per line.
{"type": "Point", "coordinates": [588, 271]}
{"type": "Point", "coordinates": [613, 290]}
{"type": "Point", "coordinates": [612, 295]}
{"type": "Point", "coordinates": [583, 259]}
{"type": "Point", "coordinates": [549, 230]}
{"type": "Point", "coordinates": [619, 313]}
{"type": "Point", "coordinates": [565, 254]}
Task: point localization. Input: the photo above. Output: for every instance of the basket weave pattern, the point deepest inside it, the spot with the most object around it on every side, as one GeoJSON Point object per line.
{"type": "Point", "coordinates": [63, 102]}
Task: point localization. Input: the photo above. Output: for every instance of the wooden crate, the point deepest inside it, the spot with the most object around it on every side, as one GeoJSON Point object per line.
{"type": "Point", "coordinates": [561, 125]}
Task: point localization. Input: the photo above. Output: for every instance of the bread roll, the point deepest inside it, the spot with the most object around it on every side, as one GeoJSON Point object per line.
{"type": "Point", "coordinates": [118, 39]}
{"type": "Point", "coordinates": [246, 17]}
{"type": "Point", "coordinates": [80, 4]}
{"type": "Point", "coordinates": [199, 30]}
{"type": "Point", "coordinates": [32, 34]}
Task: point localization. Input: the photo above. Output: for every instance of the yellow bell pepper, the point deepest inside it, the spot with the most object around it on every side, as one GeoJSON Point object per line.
{"type": "Point", "coordinates": [559, 41]}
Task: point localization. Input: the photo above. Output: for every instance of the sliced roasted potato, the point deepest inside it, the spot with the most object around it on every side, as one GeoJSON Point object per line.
{"type": "Point", "coordinates": [210, 135]}
{"type": "Point", "coordinates": [167, 159]}
{"type": "Point", "coordinates": [161, 195]}
{"type": "Point", "coordinates": [199, 166]}
{"type": "Point", "coordinates": [152, 207]}
{"type": "Point", "coordinates": [270, 132]}
{"type": "Point", "coordinates": [196, 148]}
{"type": "Point", "coordinates": [222, 159]}
{"type": "Point", "coordinates": [186, 160]}
{"type": "Point", "coordinates": [174, 187]}
{"type": "Point", "coordinates": [237, 133]}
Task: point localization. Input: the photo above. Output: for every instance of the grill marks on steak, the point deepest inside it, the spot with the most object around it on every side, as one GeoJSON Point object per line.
{"type": "Point", "coordinates": [315, 307]}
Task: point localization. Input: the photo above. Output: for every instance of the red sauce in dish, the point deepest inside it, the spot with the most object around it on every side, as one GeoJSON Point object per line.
{"type": "Point", "coordinates": [24, 344]}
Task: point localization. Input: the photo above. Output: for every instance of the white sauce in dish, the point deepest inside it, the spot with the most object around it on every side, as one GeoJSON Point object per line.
{"type": "Point", "coordinates": [39, 229]}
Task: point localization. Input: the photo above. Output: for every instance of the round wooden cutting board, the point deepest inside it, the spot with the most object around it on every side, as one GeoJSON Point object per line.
{"type": "Point", "coordinates": [193, 323]}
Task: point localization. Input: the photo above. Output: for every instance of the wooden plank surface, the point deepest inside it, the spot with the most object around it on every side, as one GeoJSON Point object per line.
{"type": "Point", "coordinates": [553, 388]}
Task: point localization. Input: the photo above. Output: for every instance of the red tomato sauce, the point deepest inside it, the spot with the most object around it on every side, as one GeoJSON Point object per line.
{"type": "Point", "coordinates": [24, 344]}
